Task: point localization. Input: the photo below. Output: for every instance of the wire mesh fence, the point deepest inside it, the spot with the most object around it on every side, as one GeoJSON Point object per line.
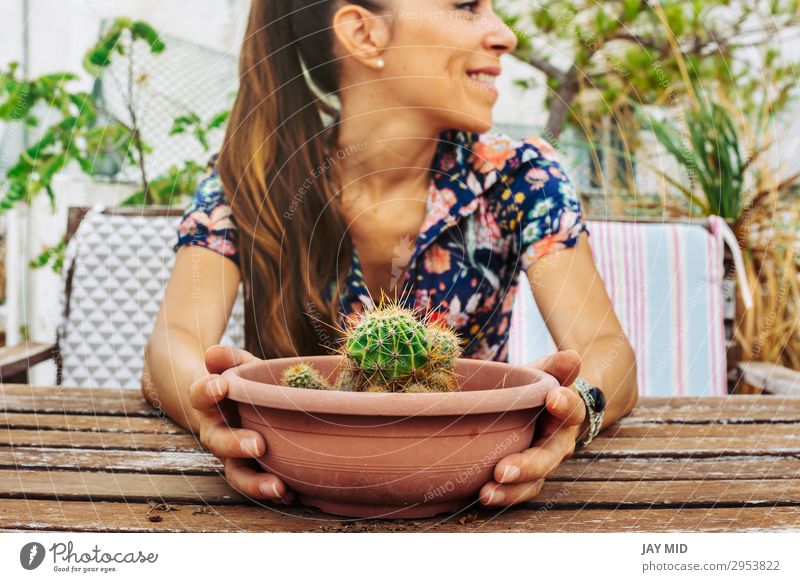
{"type": "Point", "coordinates": [185, 78]}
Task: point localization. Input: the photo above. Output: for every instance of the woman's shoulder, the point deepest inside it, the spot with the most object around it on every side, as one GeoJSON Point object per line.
{"type": "Point", "coordinates": [494, 150]}
{"type": "Point", "coordinates": [207, 220]}
{"type": "Point", "coordinates": [209, 192]}
{"type": "Point", "coordinates": [527, 192]}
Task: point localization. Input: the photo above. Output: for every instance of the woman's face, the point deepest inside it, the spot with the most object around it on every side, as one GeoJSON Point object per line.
{"type": "Point", "coordinates": [442, 58]}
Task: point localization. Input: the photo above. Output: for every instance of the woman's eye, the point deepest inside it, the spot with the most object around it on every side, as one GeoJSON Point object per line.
{"type": "Point", "coordinates": [471, 6]}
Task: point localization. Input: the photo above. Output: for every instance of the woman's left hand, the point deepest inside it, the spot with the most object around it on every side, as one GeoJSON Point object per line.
{"type": "Point", "coordinates": [520, 477]}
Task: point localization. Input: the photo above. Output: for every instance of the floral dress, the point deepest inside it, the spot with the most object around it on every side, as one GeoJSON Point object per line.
{"type": "Point", "coordinates": [495, 206]}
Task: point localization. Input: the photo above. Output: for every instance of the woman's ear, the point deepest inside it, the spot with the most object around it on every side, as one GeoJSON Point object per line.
{"type": "Point", "coordinates": [361, 33]}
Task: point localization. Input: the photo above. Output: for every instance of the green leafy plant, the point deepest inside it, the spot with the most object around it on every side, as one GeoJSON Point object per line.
{"type": "Point", "coordinates": [711, 157]}
{"type": "Point", "coordinates": [61, 142]}
{"type": "Point", "coordinates": [722, 150]}
{"type": "Point", "coordinates": [51, 256]}
{"type": "Point", "coordinates": [599, 55]}
{"type": "Point", "coordinates": [192, 123]}
{"type": "Point", "coordinates": [84, 133]}
{"type": "Point", "coordinates": [603, 59]}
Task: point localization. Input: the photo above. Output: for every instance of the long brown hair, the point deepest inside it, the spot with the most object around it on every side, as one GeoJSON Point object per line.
{"type": "Point", "coordinates": [275, 140]}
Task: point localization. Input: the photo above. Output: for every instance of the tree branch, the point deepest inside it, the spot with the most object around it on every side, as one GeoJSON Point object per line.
{"type": "Point", "coordinates": [547, 68]}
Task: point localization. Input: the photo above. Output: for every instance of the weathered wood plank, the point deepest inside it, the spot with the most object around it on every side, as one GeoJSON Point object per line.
{"type": "Point", "coordinates": [95, 440]}
{"type": "Point", "coordinates": [772, 519]}
{"type": "Point", "coordinates": [751, 408]}
{"type": "Point", "coordinates": [682, 493]}
{"type": "Point", "coordinates": [109, 460]}
{"type": "Point", "coordinates": [44, 515]}
{"type": "Point", "coordinates": [89, 422]}
{"type": "Point", "coordinates": [691, 446]}
{"type": "Point", "coordinates": [672, 430]}
{"type": "Point", "coordinates": [213, 489]}
{"type": "Point", "coordinates": [104, 423]}
{"type": "Point", "coordinates": [580, 469]}
{"type": "Point", "coordinates": [116, 486]}
{"type": "Point", "coordinates": [631, 469]}
{"type": "Point", "coordinates": [49, 399]}
{"type": "Point", "coordinates": [112, 401]}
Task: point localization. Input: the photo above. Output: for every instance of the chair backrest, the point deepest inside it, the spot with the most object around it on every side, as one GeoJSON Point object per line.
{"type": "Point", "coordinates": [116, 266]}
{"type": "Point", "coordinates": [665, 281]}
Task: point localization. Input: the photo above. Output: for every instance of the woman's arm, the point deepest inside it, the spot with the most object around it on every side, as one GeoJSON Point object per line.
{"type": "Point", "coordinates": [573, 301]}
{"type": "Point", "coordinates": [193, 316]}
{"type": "Point", "coordinates": [183, 366]}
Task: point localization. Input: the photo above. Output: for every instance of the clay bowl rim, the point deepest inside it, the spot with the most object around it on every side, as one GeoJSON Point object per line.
{"type": "Point", "coordinates": [524, 396]}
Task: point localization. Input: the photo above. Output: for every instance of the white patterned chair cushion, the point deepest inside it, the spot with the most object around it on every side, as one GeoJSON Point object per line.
{"type": "Point", "coordinates": [121, 267]}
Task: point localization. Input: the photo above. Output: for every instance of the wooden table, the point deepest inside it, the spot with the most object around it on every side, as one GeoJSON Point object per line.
{"type": "Point", "coordinates": [104, 460]}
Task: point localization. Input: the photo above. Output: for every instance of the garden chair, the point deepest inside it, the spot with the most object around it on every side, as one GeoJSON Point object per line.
{"type": "Point", "coordinates": [119, 259]}
{"type": "Point", "coordinates": [667, 284]}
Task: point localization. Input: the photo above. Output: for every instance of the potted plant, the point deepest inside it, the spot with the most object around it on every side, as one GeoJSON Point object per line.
{"type": "Point", "coordinates": [394, 425]}
{"type": "Point", "coordinates": [77, 153]}
{"type": "Point", "coordinates": [726, 152]}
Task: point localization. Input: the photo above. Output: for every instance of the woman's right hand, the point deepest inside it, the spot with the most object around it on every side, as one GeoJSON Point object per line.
{"type": "Point", "coordinates": [218, 420]}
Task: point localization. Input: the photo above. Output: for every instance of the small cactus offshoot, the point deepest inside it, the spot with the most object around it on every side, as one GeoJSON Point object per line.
{"type": "Point", "coordinates": [304, 375]}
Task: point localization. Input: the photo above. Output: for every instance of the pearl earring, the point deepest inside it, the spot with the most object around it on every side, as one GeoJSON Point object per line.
{"type": "Point", "coordinates": [379, 63]}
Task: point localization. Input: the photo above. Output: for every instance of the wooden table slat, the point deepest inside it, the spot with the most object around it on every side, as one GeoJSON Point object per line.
{"type": "Point", "coordinates": [125, 441]}
{"type": "Point", "coordinates": [139, 487]}
{"type": "Point", "coordinates": [30, 515]}
{"type": "Point", "coordinates": [191, 463]}
{"type": "Point", "coordinates": [116, 486]}
{"type": "Point", "coordinates": [89, 423]}
{"type": "Point", "coordinates": [603, 469]}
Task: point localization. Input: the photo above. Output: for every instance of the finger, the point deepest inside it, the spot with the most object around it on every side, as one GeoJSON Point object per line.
{"type": "Point", "coordinates": [224, 441]}
{"type": "Point", "coordinates": [256, 484]}
{"type": "Point", "coordinates": [207, 391]}
{"type": "Point", "coordinates": [219, 358]}
{"type": "Point", "coordinates": [566, 406]}
{"type": "Point", "coordinates": [564, 365]}
{"type": "Point", "coordinates": [536, 462]}
{"type": "Point", "coordinates": [494, 494]}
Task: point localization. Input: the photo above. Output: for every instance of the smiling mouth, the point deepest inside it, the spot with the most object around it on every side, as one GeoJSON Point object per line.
{"type": "Point", "coordinates": [483, 80]}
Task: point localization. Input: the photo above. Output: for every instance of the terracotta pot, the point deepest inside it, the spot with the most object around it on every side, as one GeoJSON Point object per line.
{"type": "Point", "coordinates": [389, 455]}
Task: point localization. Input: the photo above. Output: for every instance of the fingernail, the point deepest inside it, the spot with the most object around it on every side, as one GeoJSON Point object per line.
{"type": "Point", "coordinates": [510, 473]}
{"type": "Point", "coordinates": [215, 387]}
{"type": "Point", "coordinates": [250, 446]}
{"type": "Point", "coordinates": [496, 496]}
{"type": "Point", "coordinates": [269, 490]}
{"type": "Point", "coordinates": [561, 400]}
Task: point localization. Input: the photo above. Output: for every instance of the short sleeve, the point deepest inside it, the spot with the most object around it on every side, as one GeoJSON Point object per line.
{"type": "Point", "coordinates": [207, 220]}
{"type": "Point", "coordinates": [548, 207]}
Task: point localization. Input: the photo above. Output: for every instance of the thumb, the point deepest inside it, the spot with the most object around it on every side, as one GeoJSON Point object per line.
{"type": "Point", "coordinates": [219, 358]}
{"type": "Point", "coordinates": [564, 366]}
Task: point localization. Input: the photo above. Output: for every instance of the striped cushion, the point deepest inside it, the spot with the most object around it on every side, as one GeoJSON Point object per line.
{"type": "Point", "coordinates": [665, 282]}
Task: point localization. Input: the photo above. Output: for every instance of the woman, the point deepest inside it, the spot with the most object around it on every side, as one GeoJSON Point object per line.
{"type": "Point", "coordinates": [405, 191]}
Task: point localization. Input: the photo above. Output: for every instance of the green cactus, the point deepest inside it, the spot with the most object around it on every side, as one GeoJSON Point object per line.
{"type": "Point", "coordinates": [390, 349]}
{"type": "Point", "coordinates": [304, 375]}
{"type": "Point", "coordinates": [389, 345]}
{"type": "Point", "coordinates": [444, 343]}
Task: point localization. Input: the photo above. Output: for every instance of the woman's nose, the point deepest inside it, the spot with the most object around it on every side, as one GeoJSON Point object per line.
{"type": "Point", "coordinates": [500, 37]}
